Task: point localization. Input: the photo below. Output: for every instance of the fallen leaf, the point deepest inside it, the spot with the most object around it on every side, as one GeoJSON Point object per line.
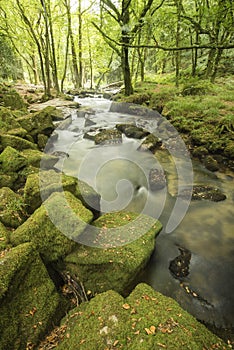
{"type": "Point", "coordinates": [152, 329]}
{"type": "Point", "coordinates": [115, 342]}
{"type": "Point", "coordinates": [137, 332]}
{"type": "Point", "coordinates": [126, 306]}
{"type": "Point", "coordinates": [148, 331]}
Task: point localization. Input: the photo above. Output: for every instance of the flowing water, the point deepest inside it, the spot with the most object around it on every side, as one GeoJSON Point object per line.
{"type": "Point", "coordinates": [120, 174]}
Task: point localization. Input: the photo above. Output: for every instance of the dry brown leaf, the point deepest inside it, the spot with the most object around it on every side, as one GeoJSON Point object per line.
{"type": "Point", "coordinates": [126, 306]}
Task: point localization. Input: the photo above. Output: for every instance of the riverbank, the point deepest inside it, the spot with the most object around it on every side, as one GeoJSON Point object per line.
{"type": "Point", "coordinates": [203, 114]}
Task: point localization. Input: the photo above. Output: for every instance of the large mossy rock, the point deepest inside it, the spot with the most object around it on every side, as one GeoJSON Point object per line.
{"type": "Point", "coordinates": [4, 237]}
{"type": "Point", "coordinates": [12, 208]}
{"type": "Point", "coordinates": [11, 160]}
{"type": "Point", "coordinates": [41, 185]}
{"type": "Point", "coordinates": [29, 302]}
{"type": "Point", "coordinates": [145, 320]}
{"type": "Point", "coordinates": [10, 98]}
{"type": "Point", "coordinates": [38, 123]}
{"type": "Point", "coordinates": [15, 142]}
{"type": "Point", "coordinates": [8, 120]}
{"type": "Point", "coordinates": [61, 216]}
{"type": "Point", "coordinates": [117, 266]}
{"type": "Point", "coordinates": [35, 157]}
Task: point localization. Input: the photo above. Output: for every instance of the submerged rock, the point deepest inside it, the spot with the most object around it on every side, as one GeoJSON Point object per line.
{"type": "Point", "coordinates": [145, 320]}
{"type": "Point", "coordinates": [29, 303]}
{"type": "Point", "coordinates": [52, 242]}
{"type": "Point", "coordinates": [108, 136]}
{"type": "Point", "coordinates": [203, 192]}
{"type": "Point", "coordinates": [151, 143]}
{"type": "Point", "coordinates": [157, 179]}
{"type": "Point", "coordinates": [211, 163]}
{"type": "Point", "coordinates": [115, 267]}
{"type": "Point", "coordinates": [179, 266]}
{"type": "Point", "coordinates": [132, 131]}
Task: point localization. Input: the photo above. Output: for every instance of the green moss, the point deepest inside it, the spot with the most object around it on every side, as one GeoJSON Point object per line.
{"type": "Point", "coordinates": [34, 158]}
{"type": "Point", "coordinates": [8, 180]}
{"type": "Point", "coordinates": [70, 218]}
{"type": "Point", "coordinates": [7, 120]}
{"type": "Point", "coordinates": [10, 98]}
{"type": "Point", "coordinates": [88, 196]}
{"type": "Point", "coordinates": [15, 142]}
{"type": "Point", "coordinates": [12, 208]}
{"type": "Point", "coordinates": [29, 303]}
{"type": "Point", "coordinates": [146, 320]}
{"type": "Point", "coordinates": [115, 267]}
{"type": "Point", "coordinates": [38, 122]}
{"type": "Point", "coordinates": [11, 160]}
{"type": "Point", "coordinates": [43, 184]}
{"type": "Point", "coordinates": [4, 238]}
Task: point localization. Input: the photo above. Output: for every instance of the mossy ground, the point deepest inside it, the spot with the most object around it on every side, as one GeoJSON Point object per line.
{"type": "Point", "coordinates": [145, 320]}
{"type": "Point", "coordinates": [198, 109]}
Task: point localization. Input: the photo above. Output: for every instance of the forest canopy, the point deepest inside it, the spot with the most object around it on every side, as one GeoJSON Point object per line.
{"type": "Point", "coordinates": [80, 43]}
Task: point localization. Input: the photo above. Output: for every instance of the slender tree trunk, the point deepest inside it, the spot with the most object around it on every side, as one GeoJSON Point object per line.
{"type": "Point", "coordinates": [65, 62]}
{"type": "Point", "coordinates": [80, 45]}
{"type": "Point", "coordinates": [47, 52]}
{"type": "Point", "coordinates": [53, 53]}
{"type": "Point", "coordinates": [73, 49]}
{"type": "Point", "coordinates": [210, 62]}
{"type": "Point", "coordinates": [216, 64]}
{"type": "Point", "coordinates": [178, 29]}
{"type": "Point", "coordinates": [125, 40]}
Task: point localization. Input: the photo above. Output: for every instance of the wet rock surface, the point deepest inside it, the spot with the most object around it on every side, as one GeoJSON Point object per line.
{"type": "Point", "coordinates": [203, 192]}
{"type": "Point", "coordinates": [157, 179]}
{"type": "Point", "coordinates": [179, 267]}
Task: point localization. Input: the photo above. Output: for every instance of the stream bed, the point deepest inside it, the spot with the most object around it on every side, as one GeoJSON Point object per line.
{"type": "Point", "coordinates": [203, 229]}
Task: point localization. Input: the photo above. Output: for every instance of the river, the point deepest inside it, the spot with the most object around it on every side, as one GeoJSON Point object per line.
{"type": "Point", "coordinates": [205, 228]}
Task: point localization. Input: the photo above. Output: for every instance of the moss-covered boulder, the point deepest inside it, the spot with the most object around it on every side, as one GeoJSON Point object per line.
{"type": "Point", "coordinates": [115, 267]}
{"type": "Point", "coordinates": [38, 123]}
{"type": "Point", "coordinates": [10, 98]}
{"type": "Point", "coordinates": [146, 320]}
{"type": "Point", "coordinates": [8, 180]}
{"type": "Point", "coordinates": [4, 237]}
{"type": "Point", "coordinates": [15, 142]}
{"type": "Point", "coordinates": [11, 160]}
{"type": "Point", "coordinates": [8, 120]}
{"type": "Point", "coordinates": [12, 208]}
{"type": "Point", "coordinates": [61, 216]}
{"type": "Point", "coordinates": [29, 303]}
{"type": "Point", "coordinates": [43, 184]}
{"type": "Point", "coordinates": [35, 157]}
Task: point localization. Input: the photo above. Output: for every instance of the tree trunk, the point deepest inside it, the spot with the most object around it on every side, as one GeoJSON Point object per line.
{"type": "Point", "coordinates": [80, 45]}
{"type": "Point", "coordinates": [73, 49]}
{"type": "Point", "coordinates": [178, 29]}
{"type": "Point", "coordinates": [210, 62]}
{"type": "Point", "coordinates": [216, 64]}
{"type": "Point", "coordinates": [53, 53]}
{"type": "Point", "coordinates": [125, 40]}
{"type": "Point", "coordinates": [65, 62]}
